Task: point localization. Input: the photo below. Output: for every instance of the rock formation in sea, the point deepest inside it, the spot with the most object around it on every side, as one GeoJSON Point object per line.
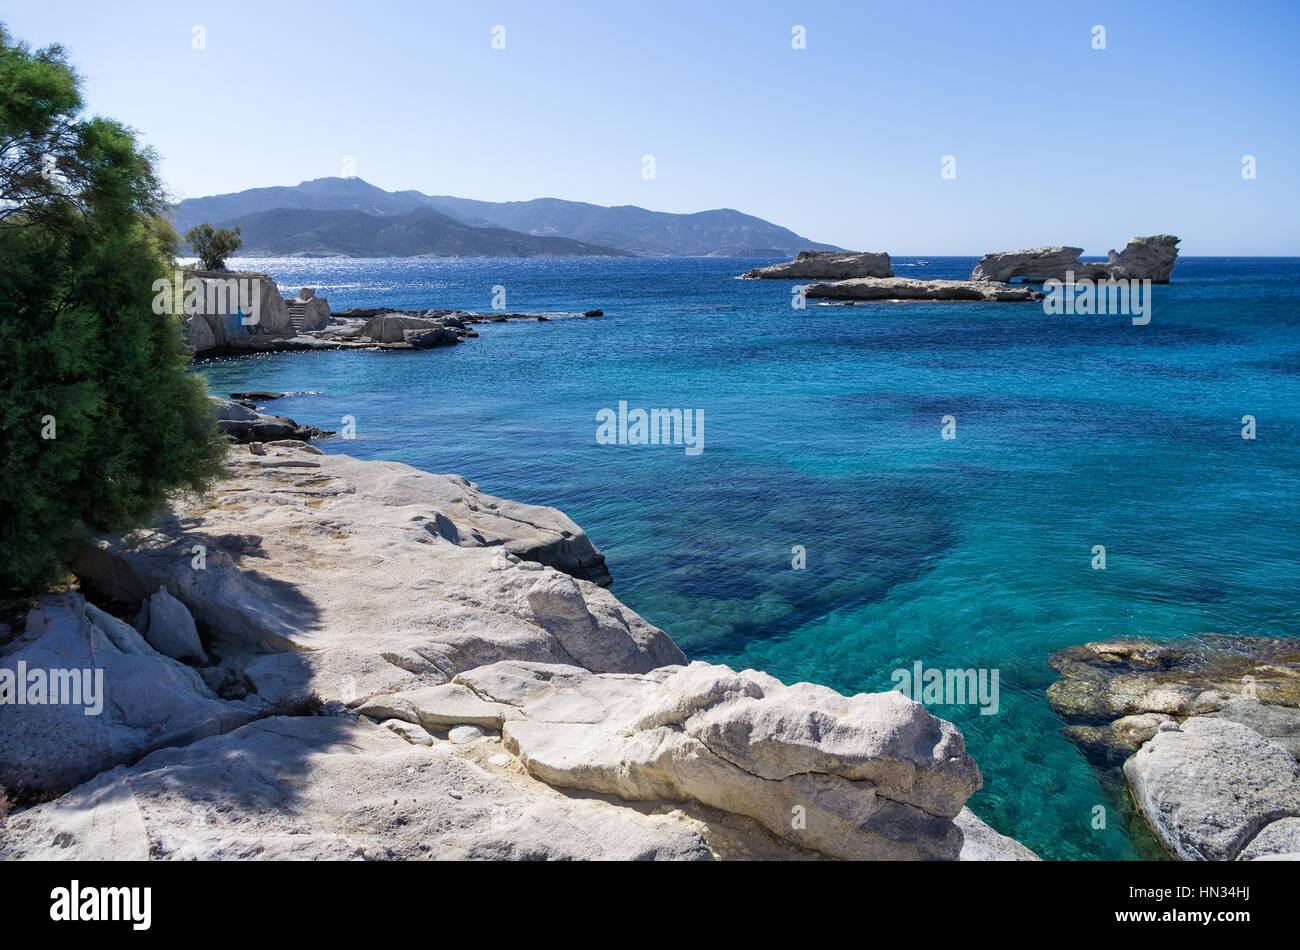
{"type": "Point", "coordinates": [907, 288]}
{"type": "Point", "coordinates": [217, 321]}
{"type": "Point", "coordinates": [242, 424]}
{"type": "Point", "coordinates": [827, 265]}
{"type": "Point", "coordinates": [1207, 733]}
{"type": "Point", "coordinates": [1143, 258]}
{"type": "Point", "coordinates": [477, 694]}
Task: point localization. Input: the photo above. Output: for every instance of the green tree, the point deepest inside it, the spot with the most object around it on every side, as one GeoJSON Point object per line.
{"type": "Point", "coordinates": [99, 420]}
{"type": "Point", "coordinates": [212, 247]}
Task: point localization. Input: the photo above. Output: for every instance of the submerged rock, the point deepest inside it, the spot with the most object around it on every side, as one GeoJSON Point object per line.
{"type": "Point", "coordinates": [827, 265]}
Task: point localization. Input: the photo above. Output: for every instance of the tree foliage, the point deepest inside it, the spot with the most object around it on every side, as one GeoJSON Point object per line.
{"type": "Point", "coordinates": [213, 246]}
{"type": "Point", "coordinates": [99, 420]}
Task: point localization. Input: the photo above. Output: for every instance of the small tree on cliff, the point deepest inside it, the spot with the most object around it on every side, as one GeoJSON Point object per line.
{"type": "Point", "coordinates": [99, 420]}
{"type": "Point", "coordinates": [213, 246]}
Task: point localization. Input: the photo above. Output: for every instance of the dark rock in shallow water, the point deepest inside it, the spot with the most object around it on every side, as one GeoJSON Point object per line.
{"type": "Point", "coordinates": [255, 395]}
{"type": "Point", "coordinates": [594, 313]}
{"type": "Point", "coordinates": [245, 425]}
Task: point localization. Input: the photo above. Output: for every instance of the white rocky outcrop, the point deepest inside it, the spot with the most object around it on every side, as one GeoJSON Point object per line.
{"type": "Point", "coordinates": [1216, 790]}
{"type": "Point", "coordinates": [1143, 258]}
{"type": "Point", "coordinates": [827, 265]}
{"type": "Point", "coordinates": [480, 700]}
{"type": "Point", "coordinates": [130, 698]}
{"type": "Point", "coordinates": [331, 788]}
{"type": "Point", "coordinates": [865, 777]}
{"type": "Point", "coordinates": [220, 323]}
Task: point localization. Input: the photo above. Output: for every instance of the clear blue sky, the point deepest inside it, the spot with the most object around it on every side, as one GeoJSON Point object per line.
{"type": "Point", "coordinates": [1055, 142]}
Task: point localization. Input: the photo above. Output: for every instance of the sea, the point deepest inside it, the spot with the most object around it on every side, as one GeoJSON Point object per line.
{"type": "Point", "coordinates": [876, 485]}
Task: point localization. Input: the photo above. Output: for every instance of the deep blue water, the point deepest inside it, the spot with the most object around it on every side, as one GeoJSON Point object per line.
{"type": "Point", "coordinates": [822, 429]}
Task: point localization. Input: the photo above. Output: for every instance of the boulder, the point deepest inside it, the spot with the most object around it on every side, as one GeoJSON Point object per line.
{"type": "Point", "coordinates": [171, 629]}
{"type": "Point", "coordinates": [1039, 264]}
{"type": "Point", "coordinates": [431, 338]}
{"type": "Point", "coordinates": [907, 288]}
{"type": "Point", "coordinates": [862, 777]}
{"type": "Point", "coordinates": [1209, 788]}
{"type": "Point", "coordinates": [245, 425]}
{"type": "Point", "coordinates": [391, 328]}
{"type": "Point", "coordinates": [827, 265]}
{"type": "Point", "coordinates": [145, 700]}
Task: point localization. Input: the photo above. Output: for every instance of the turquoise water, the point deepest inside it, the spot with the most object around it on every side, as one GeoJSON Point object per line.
{"type": "Point", "coordinates": [822, 429]}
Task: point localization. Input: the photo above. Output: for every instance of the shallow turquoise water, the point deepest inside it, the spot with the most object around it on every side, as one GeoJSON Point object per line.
{"type": "Point", "coordinates": [822, 429]}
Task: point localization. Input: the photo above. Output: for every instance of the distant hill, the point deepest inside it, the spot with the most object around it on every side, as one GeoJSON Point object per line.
{"type": "Point", "coordinates": [297, 232]}
{"type": "Point", "coordinates": [723, 232]}
{"type": "Point", "coordinates": [588, 229]}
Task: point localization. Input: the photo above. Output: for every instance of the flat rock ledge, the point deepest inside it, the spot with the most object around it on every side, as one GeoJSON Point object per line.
{"type": "Point", "coordinates": [1206, 731]}
{"type": "Point", "coordinates": [827, 265]}
{"type": "Point", "coordinates": [907, 288]}
{"type": "Point", "coordinates": [473, 699]}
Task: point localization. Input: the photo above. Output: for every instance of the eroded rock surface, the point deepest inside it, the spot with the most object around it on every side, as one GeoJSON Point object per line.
{"type": "Point", "coordinates": [1210, 787]}
{"type": "Point", "coordinates": [907, 288]}
{"type": "Point", "coordinates": [135, 700]}
{"type": "Point", "coordinates": [1143, 258]}
{"type": "Point", "coordinates": [827, 265]}
{"type": "Point", "coordinates": [867, 777]}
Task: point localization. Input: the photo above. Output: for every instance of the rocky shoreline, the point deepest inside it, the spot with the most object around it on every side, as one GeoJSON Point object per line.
{"type": "Point", "coordinates": [1205, 733]}
{"type": "Point", "coordinates": [238, 312]}
{"type": "Point", "coordinates": [397, 665]}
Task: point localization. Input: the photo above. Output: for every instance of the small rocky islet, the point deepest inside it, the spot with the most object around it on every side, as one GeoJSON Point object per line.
{"type": "Point", "coordinates": [853, 276]}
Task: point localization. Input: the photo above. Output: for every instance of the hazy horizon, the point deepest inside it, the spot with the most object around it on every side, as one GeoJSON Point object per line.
{"type": "Point", "coordinates": [1053, 141]}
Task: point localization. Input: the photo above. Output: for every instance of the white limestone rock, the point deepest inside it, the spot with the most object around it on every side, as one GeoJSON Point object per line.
{"type": "Point", "coordinates": [171, 629]}
{"type": "Point", "coordinates": [330, 788]}
{"type": "Point", "coordinates": [982, 843]}
{"type": "Point", "coordinates": [863, 777]}
{"type": "Point", "coordinates": [146, 699]}
{"type": "Point", "coordinates": [827, 265]}
{"type": "Point", "coordinates": [907, 288]}
{"type": "Point", "coordinates": [1210, 787]}
{"type": "Point", "coordinates": [1143, 258]}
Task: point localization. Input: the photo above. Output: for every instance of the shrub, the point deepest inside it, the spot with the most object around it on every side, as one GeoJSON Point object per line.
{"type": "Point", "coordinates": [212, 247]}
{"type": "Point", "coordinates": [99, 420]}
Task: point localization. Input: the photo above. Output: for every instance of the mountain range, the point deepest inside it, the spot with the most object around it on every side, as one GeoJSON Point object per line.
{"type": "Point", "coordinates": [349, 217]}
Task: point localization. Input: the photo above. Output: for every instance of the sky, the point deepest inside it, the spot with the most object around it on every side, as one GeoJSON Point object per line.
{"type": "Point", "coordinates": [1051, 140]}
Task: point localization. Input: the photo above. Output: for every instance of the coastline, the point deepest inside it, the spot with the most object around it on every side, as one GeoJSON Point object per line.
{"type": "Point", "coordinates": [408, 604]}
